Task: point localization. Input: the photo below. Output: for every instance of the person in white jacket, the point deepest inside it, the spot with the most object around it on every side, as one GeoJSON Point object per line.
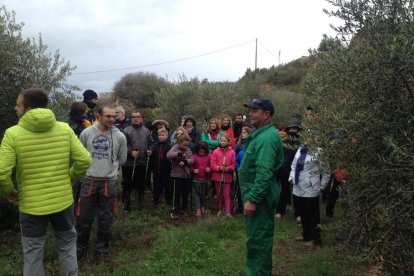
{"type": "Point", "coordinates": [307, 182]}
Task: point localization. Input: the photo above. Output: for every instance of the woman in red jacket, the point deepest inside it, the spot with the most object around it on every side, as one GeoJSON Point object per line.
{"type": "Point", "coordinates": [222, 165]}
{"type": "Point", "coordinates": [227, 128]}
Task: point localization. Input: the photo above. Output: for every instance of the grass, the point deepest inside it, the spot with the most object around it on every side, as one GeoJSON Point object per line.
{"type": "Point", "coordinates": [149, 243]}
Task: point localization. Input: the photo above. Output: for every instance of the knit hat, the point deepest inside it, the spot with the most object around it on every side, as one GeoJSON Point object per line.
{"type": "Point", "coordinates": [294, 122]}
{"type": "Point", "coordinates": [89, 95]}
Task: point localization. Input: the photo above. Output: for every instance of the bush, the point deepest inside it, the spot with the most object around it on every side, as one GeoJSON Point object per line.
{"type": "Point", "coordinates": [205, 100]}
{"type": "Point", "coordinates": [362, 92]}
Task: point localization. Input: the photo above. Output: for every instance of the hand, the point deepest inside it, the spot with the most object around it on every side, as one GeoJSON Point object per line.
{"type": "Point", "coordinates": [207, 169]}
{"type": "Point", "coordinates": [135, 153]}
{"type": "Point", "coordinates": [249, 209]}
{"type": "Point", "coordinates": [13, 196]}
{"type": "Point", "coordinates": [181, 164]}
{"type": "Point", "coordinates": [180, 154]}
{"type": "Point", "coordinates": [195, 171]}
{"type": "Point", "coordinates": [149, 152]}
{"type": "Point", "coordinates": [222, 168]}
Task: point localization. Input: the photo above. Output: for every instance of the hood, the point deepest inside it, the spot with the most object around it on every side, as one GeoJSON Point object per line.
{"type": "Point", "coordinates": [38, 120]}
{"type": "Point", "coordinates": [190, 118]}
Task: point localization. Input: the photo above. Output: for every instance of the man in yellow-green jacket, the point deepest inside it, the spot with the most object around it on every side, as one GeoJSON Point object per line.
{"type": "Point", "coordinates": [42, 149]}
{"type": "Point", "coordinates": [259, 187]}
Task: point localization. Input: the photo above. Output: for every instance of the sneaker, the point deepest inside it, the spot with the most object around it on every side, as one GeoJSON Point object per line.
{"type": "Point", "coordinates": [198, 213]}
{"type": "Point", "coordinates": [228, 215]}
{"type": "Point", "coordinates": [288, 208]}
{"type": "Point", "coordinates": [219, 213]}
{"type": "Point", "coordinates": [127, 209]}
{"type": "Point", "coordinates": [298, 219]}
{"type": "Point", "coordinates": [203, 210]}
{"type": "Point", "coordinates": [308, 244]}
{"type": "Point", "coordinates": [300, 238]}
{"type": "Point", "coordinates": [278, 216]}
{"type": "Point", "coordinates": [173, 216]}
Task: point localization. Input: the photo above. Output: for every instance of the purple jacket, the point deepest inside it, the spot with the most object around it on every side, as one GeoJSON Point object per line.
{"type": "Point", "coordinates": [176, 155]}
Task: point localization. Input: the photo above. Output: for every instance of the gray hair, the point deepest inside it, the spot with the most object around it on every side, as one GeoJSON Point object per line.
{"type": "Point", "coordinates": [120, 108]}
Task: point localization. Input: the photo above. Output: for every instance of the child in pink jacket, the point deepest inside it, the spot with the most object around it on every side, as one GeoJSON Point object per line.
{"type": "Point", "coordinates": [222, 165]}
{"type": "Point", "coordinates": [201, 171]}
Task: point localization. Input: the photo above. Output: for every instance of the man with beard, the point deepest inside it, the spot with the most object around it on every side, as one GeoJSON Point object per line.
{"type": "Point", "coordinates": [90, 98]}
{"type": "Point", "coordinates": [238, 125]}
{"type": "Point", "coordinates": [108, 148]}
{"type": "Point", "coordinates": [291, 144]}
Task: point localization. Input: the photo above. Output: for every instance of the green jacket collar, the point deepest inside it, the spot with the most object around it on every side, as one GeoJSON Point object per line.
{"type": "Point", "coordinates": [259, 130]}
{"type": "Point", "coordinates": [38, 120]}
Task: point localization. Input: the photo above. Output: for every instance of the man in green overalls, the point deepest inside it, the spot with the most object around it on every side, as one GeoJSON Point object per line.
{"type": "Point", "coordinates": [258, 185]}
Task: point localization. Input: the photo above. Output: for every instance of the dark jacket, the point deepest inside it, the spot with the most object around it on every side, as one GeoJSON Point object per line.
{"type": "Point", "coordinates": [138, 137]}
{"type": "Point", "coordinates": [158, 161]}
{"type": "Point", "coordinates": [290, 146]}
{"type": "Point", "coordinates": [121, 125]}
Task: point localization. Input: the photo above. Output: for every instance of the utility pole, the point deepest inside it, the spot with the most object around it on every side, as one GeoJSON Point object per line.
{"type": "Point", "coordinates": [255, 60]}
{"type": "Point", "coordinates": [279, 57]}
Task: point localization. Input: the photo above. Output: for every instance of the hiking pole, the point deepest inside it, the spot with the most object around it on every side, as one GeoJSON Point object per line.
{"type": "Point", "coordinates": [221, 182]}
{"type": "Point", "coordinates": [133, 169]}
{"type": "Point", "coordinates": [146, 173]}
{"type": "Point", "coordinates": [235, 200]}
{"type": "Point", "coordinates": [174, 196]}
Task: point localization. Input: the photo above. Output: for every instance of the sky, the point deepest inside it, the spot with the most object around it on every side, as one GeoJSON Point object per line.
{"type": "Point", "coordinates": [213, 39]}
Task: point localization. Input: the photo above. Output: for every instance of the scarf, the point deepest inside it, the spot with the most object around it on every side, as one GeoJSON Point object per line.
{"type": "Point", "coordinates": [300, 163]}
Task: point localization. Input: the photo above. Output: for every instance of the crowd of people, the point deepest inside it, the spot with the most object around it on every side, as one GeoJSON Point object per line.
{"type": "Point", "coordinates": [235, 163]}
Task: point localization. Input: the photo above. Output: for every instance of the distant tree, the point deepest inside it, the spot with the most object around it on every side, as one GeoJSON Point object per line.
{"type": "Point", "coordinates": [363, 95]}
{"type": "Point", "coordinates": [26, 63]}
{"type": "Point", "coordinates": [140, 88]}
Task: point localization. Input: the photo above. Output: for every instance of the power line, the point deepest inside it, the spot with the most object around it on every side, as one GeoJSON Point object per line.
{"type": "Point", "coordinates": [270, 52]}
{"type": "Point", "coordinates": [165, 62]}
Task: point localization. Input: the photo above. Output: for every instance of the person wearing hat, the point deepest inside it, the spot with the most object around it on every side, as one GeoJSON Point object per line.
{"type": "Point", "coordinates": [190, 127]}
{"type": "Point", "coordinates": [291, 144]}
{"type": "Point", "coordinates": [156, 125]}
{"type": "Point", "coordinates": [259, 187]}
{"type": "Point", "coordinates": [90, 98]}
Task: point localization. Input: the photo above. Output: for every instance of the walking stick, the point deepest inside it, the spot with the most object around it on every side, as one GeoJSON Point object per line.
{"type": "Point", "coordinates": [146, 173]}
{"type": "Point", "coordinates": [221, 181]}
{"type": "Point", "coordinates": [133, 169]}
{"type": "Point", "coordinates": [174, 196]}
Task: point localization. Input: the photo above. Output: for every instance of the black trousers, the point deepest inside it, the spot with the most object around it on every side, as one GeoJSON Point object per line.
{"type": "Point", "coordinates": [310, 218]}
{"type": "Point", "coordinates": [97, 199]}
{"type": "Point", "coordinates": [332, 197]}
{"type": "Point", "coordinates": [180, 193]}
{"type": "Point", "coordinates": [285, 194]}
{"type": "Point", "coordinates": [129, 184]}
{"type": "Point", "coordinates": [162, 185]}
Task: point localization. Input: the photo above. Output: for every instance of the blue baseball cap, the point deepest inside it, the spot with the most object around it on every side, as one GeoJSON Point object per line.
{"type": "Point", "coordinates": [262, 103]}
